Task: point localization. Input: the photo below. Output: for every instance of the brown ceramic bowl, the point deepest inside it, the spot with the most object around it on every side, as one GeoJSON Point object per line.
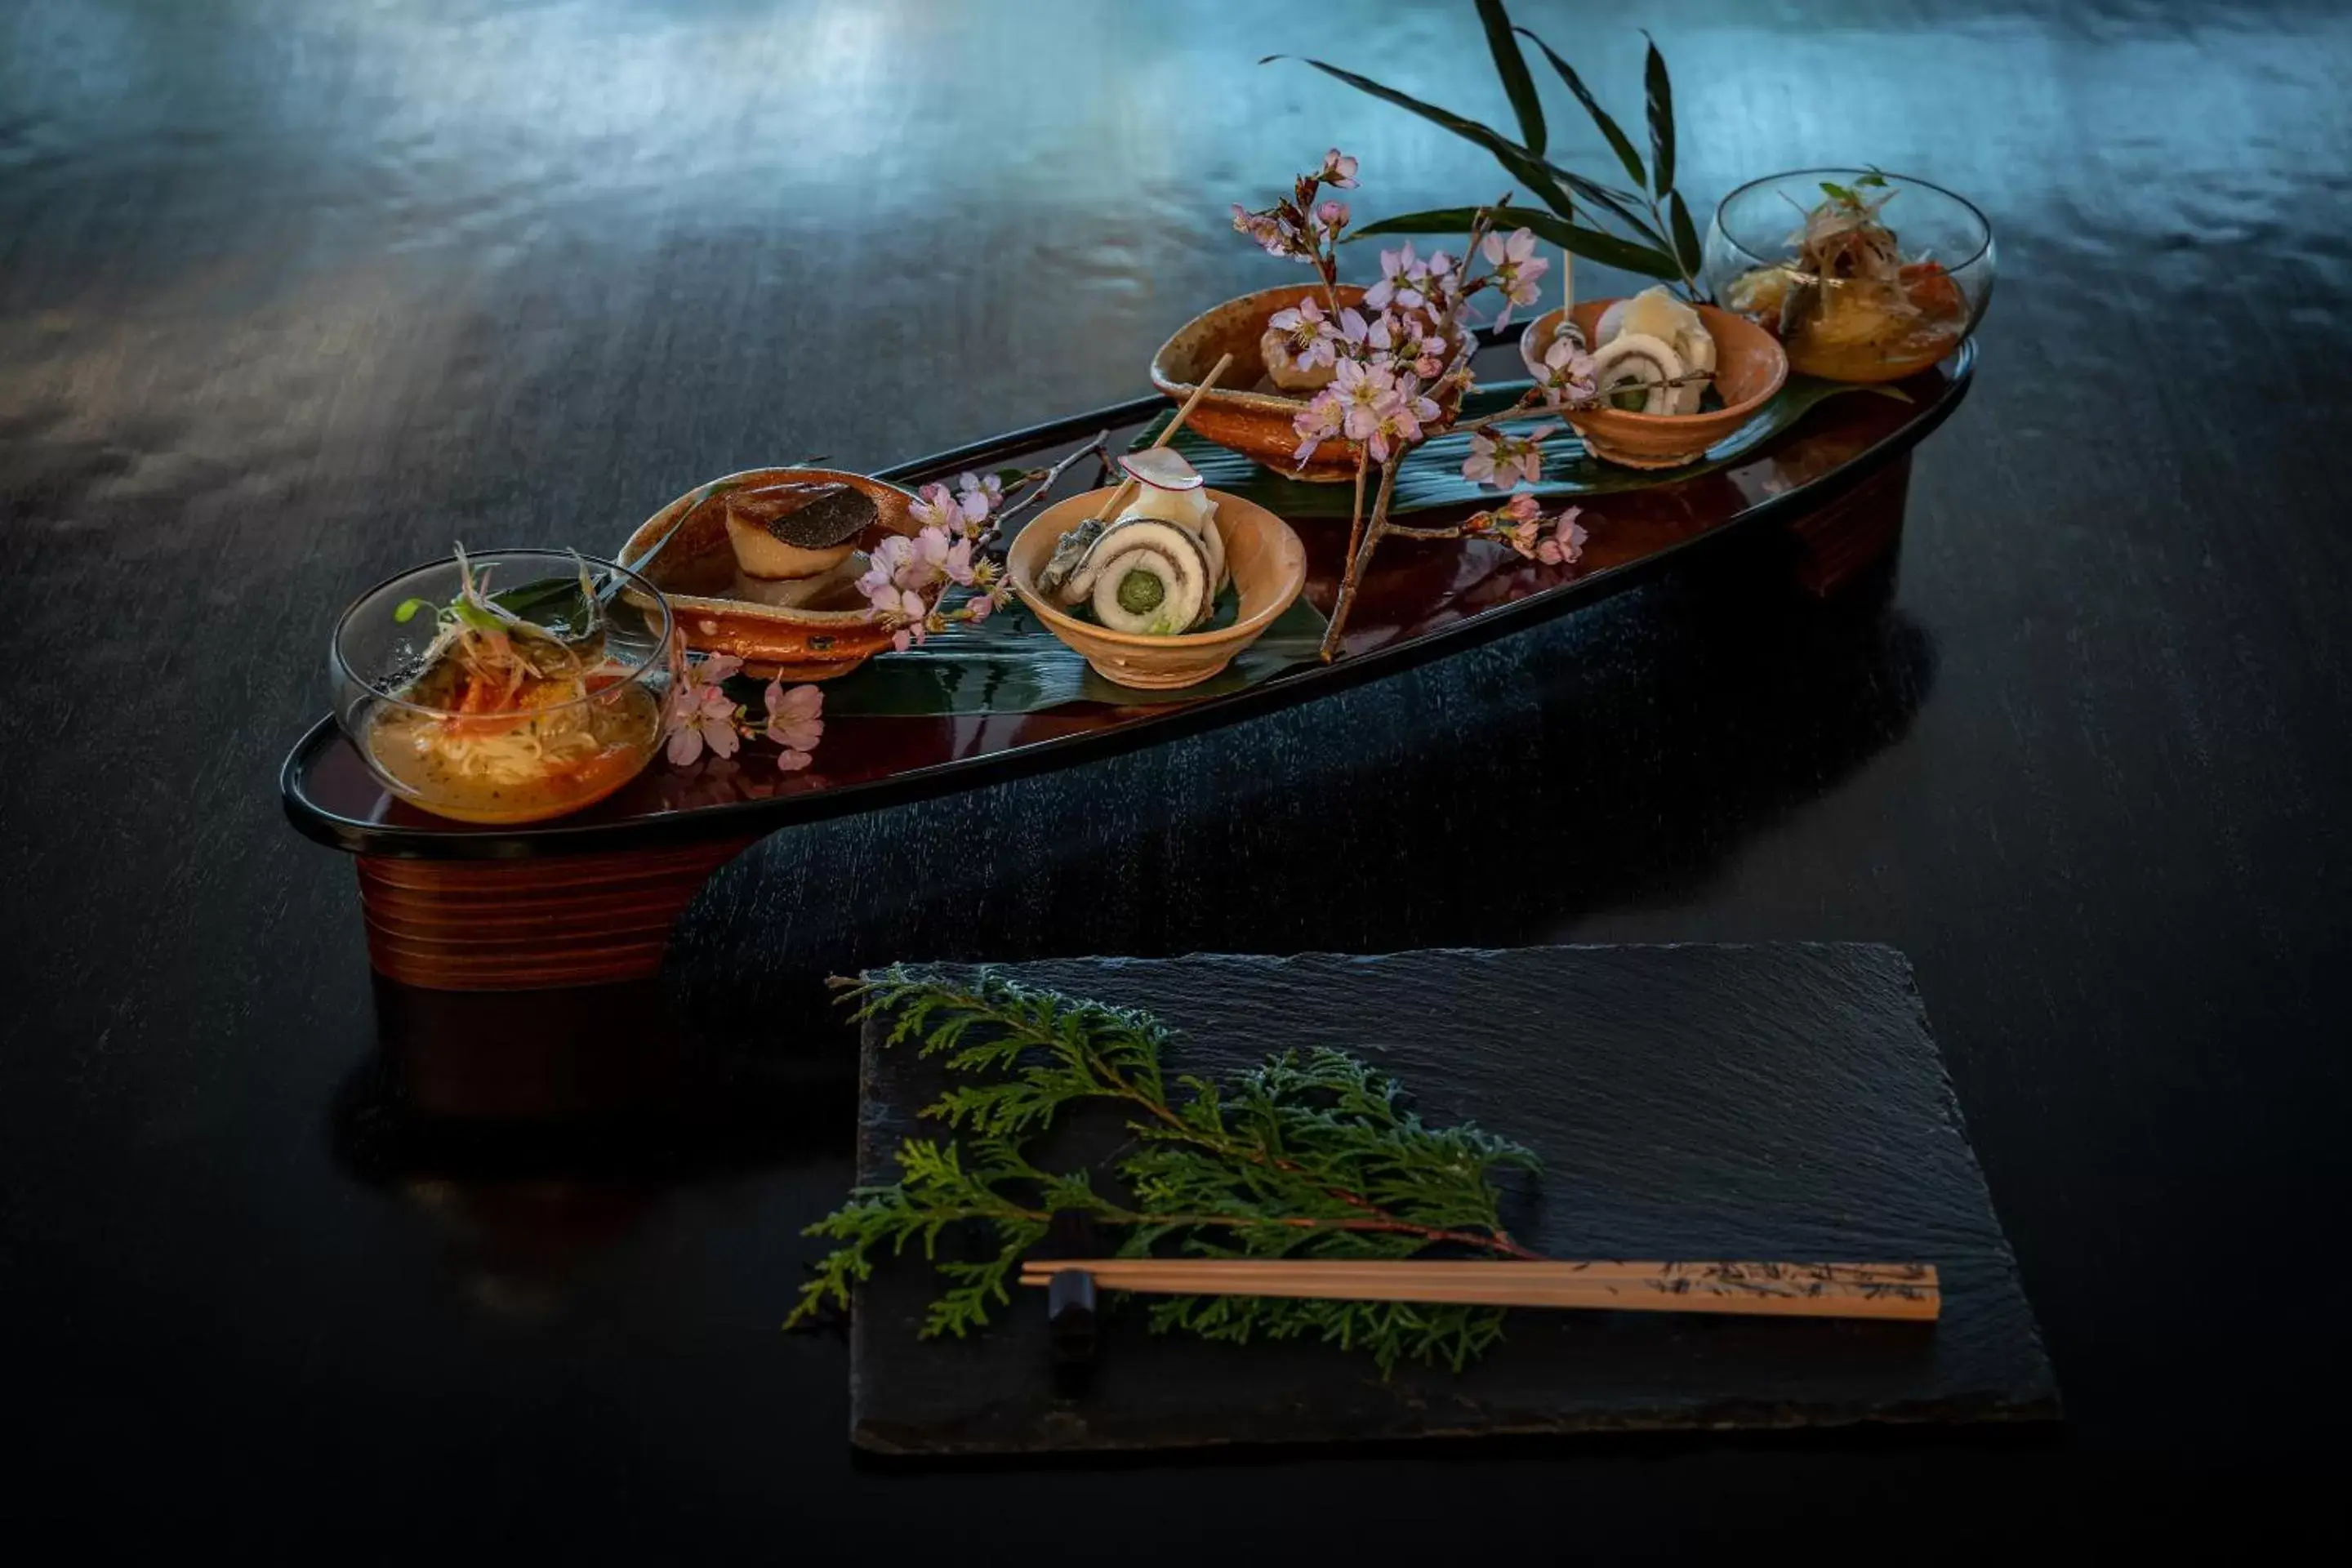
{"type": "Point", "coordinates": [1749, 367]}
{"type": "Point", "coordinates": [1269, 568]}
{"type": "Point", "coordinates": [696, 572]}
{"type": "Point", "coordinates": [1235, 416]}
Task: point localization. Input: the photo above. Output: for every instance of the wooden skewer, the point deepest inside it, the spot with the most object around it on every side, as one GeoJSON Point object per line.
{"type": "Point", "coordinates": [1768, 1289]}
{"type": "Point", "coordinates": [1126, 485]}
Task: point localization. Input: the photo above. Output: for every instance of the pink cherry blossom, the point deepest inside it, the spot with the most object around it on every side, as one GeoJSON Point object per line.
{"type": "Point", "coordinates": [1565, 546]}
{"type": "Point", "coordinates": [1323, 418]}
{"type": "Point", "coordinates": [1401, 275]}
{"type": "Point", "coordinates": [698, 714]}
{"type": "Point", "coordinates": [937, 507]}
{"type": "Point", "coordinates": [1361, 390]}
{"type": "Point", "coordinates": [1262, 227]}
{"type": "Point", "coordinates": [1333, 217]}
{"type": "Point", "coordinates": [1397, 418]}
{"type": "Point", "coordinates": [705, 716]}
{"type": "Point", "coordinates": [795, 723]}
{"type": "Point", "coordinates": [1503, 461]}
{"type": "Point", "coordinates": [1515, 268]}
{"type": "Point", "coordinates": [979, 495]}
{"type": "Point", "coordinates": [1570, 379]}
{"type": "Point", "coordinates": [1338, 170]}
{"type": "Point", "coordinates": [1308, 332]}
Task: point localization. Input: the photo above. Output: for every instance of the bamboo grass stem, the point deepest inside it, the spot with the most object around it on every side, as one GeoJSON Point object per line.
{"type": "Point", "coordinates": [1126, 487]}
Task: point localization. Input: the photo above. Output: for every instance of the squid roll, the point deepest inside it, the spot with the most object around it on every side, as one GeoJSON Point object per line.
{"type": "Point", "coordinates": [1148, 576]}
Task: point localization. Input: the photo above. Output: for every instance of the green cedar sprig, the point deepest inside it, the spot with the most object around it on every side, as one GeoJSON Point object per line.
{"type": "Point", "coordinates": [1311, 1153]}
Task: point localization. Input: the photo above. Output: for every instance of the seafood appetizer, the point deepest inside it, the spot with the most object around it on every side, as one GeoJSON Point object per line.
{"type": "Point", "coordinates": [766, 564]}
{"type": "Point", "coordinates": [793, 541]}
{"type": "Point", "coordinates": [1157, 565]}
{"type": "Point", "coordinates": [1664, 381]}
{"type": "Point", "coordinates": [1848, 306]}
{"type": "Point", "coordinates": [515, 710]}
{"type": "Point", "coordinates": [1653, 354]}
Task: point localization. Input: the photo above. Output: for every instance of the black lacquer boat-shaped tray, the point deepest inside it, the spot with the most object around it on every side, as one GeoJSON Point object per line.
{"type": "Point", "coordinates": [590, 898]}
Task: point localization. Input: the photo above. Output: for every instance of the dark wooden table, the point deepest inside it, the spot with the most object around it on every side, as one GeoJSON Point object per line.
{"type": "Point", "coordinates": [292, 295]}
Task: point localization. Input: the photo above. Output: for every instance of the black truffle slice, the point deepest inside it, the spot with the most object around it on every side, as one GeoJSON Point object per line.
{"type": "Point", "coordinates": [808, 517]}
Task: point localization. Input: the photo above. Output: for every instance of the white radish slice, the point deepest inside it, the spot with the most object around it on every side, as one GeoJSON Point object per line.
{"type": "Point", "coordinates": [1605, 331]}
{"type": "Point", "coordinates": [1696, 345]}
{"type": "Point", "coordinates": [1213, 539]}
{"type": "Point", "coordinates": [1161, 468]}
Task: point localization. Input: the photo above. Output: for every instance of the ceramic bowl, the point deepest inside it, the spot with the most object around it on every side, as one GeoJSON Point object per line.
{"type": "Point", "coordinates": [1749, 367]}
{"type": "Point", "coordinates": [1257, 423]}
{"type": "Point", "coordinates": [831, 636]}
{"type": "Point", "coordinates": [1269, 569]}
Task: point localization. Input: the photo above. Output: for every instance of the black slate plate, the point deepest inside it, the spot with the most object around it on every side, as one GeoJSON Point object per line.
{"type": "Point", "coordinates": [1776, 1102]}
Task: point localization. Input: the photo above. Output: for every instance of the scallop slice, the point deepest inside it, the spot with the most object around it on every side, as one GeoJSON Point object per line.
{"type": "Point", "coordinates": [1148, 576]}
{"type": "Point", "coordinates": [1636, 359]}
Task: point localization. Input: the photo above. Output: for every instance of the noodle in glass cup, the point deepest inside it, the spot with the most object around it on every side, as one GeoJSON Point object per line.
{"type": "Point", "coordinates": [505, 686]}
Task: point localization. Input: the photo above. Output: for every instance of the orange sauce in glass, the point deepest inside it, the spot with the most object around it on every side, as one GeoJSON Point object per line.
{"type": "Point", "coordinates": [1859, 330]}
{"type": "Point", "coordinates": [518, 765]}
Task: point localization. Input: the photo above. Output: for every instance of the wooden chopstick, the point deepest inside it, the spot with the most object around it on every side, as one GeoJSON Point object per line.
{"type": "Point", "coordinates": [1536, 1269]}
{"type": "Point", "coordinates": [1126, 485]}
{"type": "Point", "coordinates": [1765, 1290]}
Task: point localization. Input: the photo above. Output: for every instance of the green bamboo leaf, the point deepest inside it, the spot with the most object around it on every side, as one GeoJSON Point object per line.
{"type": "Point", "coordinates": [1528, 170]}
{"type": "Point", "coordinates": [1009, 664]}
{"type": "Point", "coordinates": [1432, 477]}
{"type": "Point", "coordinates": [1619, 143]}
{"type": "Point", "coordinates": [1686, 249]}
{"type": "Point", "coordinates": [1617, 202]}
{"type": "Point", "coordinates": [1512, 66]}
{"type": "Point", "coordinates": [1662, 121]}
{"type": "Point", "coordinates": [1589, 242]}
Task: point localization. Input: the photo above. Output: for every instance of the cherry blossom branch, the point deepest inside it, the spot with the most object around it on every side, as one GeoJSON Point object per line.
{"type": "Point", "coordinates": [1399, 364]}
{"type": "Point", "coordinates": [1352, 579]}
{"type": "Point", "coordinates": [908, 577]}
{"type": "Point", "coordinates": [1356, 513]}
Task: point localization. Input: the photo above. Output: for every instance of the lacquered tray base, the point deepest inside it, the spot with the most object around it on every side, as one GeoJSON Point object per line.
{"type": "Point", "coordinates": [528, 924]}
{"type": "Point", "coordinates": [1853, 531]}
{"type": "Point", "coordinates": [567, 919]}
